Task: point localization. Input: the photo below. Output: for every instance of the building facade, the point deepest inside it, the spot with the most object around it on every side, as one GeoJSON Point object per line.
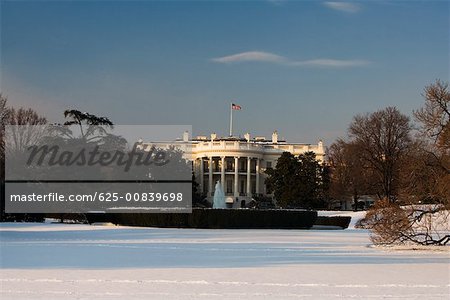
{"type": "Point", "coordinates": [239, 164]}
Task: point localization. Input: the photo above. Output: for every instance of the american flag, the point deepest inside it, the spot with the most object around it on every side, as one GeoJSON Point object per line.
{"type": "Point", "coordinates": [235, 106]}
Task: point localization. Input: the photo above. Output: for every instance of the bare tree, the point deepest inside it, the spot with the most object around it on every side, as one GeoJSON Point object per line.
{"type": "Point", "coordinates": [383, 138]}
{"type": "Point", "coordinates": [425, 180]}
{"type": "Point", "coordinates": [426, 174]}
{"type": "Point", "coordinates": [17, 137]}
{"type": "Point", "coordinates": [28, 128]}
{"type": "Point", "coordinates": [435, 114]}
{"type": "Point", "coordinates": [434, 117]}
{"type": "Point", "coordinates": [23, 116]}
{"type": "Point", "coordinates": [389, 223]}
{"type": "Point", "coordinates": [4, 113]}
{"type": "Point", "coordinates": [350, 174]}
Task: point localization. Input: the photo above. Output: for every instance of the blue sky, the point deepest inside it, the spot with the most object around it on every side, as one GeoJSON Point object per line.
{"type": "Point", "coordinates": [304, 68]}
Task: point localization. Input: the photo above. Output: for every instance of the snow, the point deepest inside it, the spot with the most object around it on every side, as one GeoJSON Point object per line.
{"type": "Point", "coordinates": [355, 215]}
{"type": "Point", "coordinates": [70, 261]}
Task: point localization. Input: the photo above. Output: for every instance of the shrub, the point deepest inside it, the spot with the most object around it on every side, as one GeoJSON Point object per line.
{"type": "Point", "coordinates": [340, 221]}
{"type": "Point", "coordinates": [68, 217]}
{"type": "Point", "coordinates": [215, 219]}
{"type": "Point", "coordinates": [25, 217]}
{"type": "Point", "coordinates": [390, 223]}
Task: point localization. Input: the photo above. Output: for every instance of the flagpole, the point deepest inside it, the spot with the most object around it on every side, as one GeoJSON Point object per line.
{"type": "Point", "coordinates": [231, 119]}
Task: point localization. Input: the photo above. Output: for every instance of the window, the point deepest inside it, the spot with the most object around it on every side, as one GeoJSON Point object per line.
{"type": "Point", "coordinates": [205, 186]}
{"type": "Point", "coordinates": [242, 165]}
{"type": "Point", "coordinates": [230, 166]}
{"type": "Point", "coordinates": [268, 165]}
{"type": "Point", "coordinates": [229, 186]}
{"type": "Point", "coordinates": [216, 165]}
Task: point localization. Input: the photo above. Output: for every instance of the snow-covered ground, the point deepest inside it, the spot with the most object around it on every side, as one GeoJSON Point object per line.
{"type": "Point", "coordinates": [355, 215]}
{"type": "Point", "coordinates": [57, 261]}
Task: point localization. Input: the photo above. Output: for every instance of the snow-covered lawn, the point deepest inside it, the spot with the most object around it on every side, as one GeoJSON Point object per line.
{"type": "Point", "coordinates": [355, 215]}
{"type": "Point", "coordinates": [57, 261]}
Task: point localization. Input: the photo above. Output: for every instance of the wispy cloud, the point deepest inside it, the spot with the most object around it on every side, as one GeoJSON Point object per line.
{"type": "Point", "coordinates": [347, 7]}
{"type": "Point", "coordinates": [266, 57]}
{"type": "Point", "coordinates": [250, 56]}
{"type": "Point", "coordinates": [336, 63]}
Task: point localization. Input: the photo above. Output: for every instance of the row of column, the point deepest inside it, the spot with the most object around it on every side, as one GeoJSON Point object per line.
{"type": "Point", "coordinates": [236, 175]}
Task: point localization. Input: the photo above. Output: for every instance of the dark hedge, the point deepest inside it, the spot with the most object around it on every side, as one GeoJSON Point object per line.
{"type": "Point", "coordinates": [28, 217]}
{"type": "Point", "coordinates": [333, 221]}
{"type": "Point", "coordinates": [215, 219]}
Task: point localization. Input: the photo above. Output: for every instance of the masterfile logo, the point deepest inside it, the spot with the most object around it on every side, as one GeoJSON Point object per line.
{"type": "Point", "coordinates": [55, 156]}
{"type": "Point", "coordinates": [54, 168]}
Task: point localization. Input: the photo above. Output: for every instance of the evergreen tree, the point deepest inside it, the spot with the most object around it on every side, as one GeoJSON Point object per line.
{"type": "Point", "coordinates": [299, 182]}
{"type": "Point", "coordinates": [198, 198]}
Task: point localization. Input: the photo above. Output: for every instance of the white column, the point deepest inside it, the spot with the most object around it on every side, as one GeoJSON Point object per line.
{"type": "Point", "coordinates": [201, 175]}
{"type": "Point", "coordinates": [236, 176]}
{"type": "Point", "coordinates": [249, 160]}
{"type": "Point", "coordinates": [222, 173]}
{"type": "Point", "coordinates": [210, 187]}
{"type": "Point", "coordinates": [258, 161]}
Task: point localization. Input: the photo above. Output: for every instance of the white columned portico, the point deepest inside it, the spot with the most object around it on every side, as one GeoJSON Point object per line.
{"type": "Point", "coordinates": [258, 161]}
{"type": "Point", "coordinates": [249, 161]}
{"type": "Point", "coordinates": [236, 176]}
{"type": "Point", "coordinates": [201, 176]}
{"type": "Point", "coordinates": [210, 178]}
{"type": "Point", "coordinates": [222, 173]}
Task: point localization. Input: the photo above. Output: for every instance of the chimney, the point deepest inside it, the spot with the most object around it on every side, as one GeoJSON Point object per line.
{"type": "Point", "coordinates": [247, 136]}
{"type": "Point", "coordinates": [275, 137]}
{"type": "Point", "coordinates": [320, 146]}
{"type": "Point", "coordinates": [186, 136]}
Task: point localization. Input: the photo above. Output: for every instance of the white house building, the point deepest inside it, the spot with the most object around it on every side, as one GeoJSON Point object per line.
{"type": "Point", "coordinates": [237, 163]}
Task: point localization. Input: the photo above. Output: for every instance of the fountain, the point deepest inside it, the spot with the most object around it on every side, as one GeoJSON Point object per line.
{"type": "Point", "coordinates": [219, 196]}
